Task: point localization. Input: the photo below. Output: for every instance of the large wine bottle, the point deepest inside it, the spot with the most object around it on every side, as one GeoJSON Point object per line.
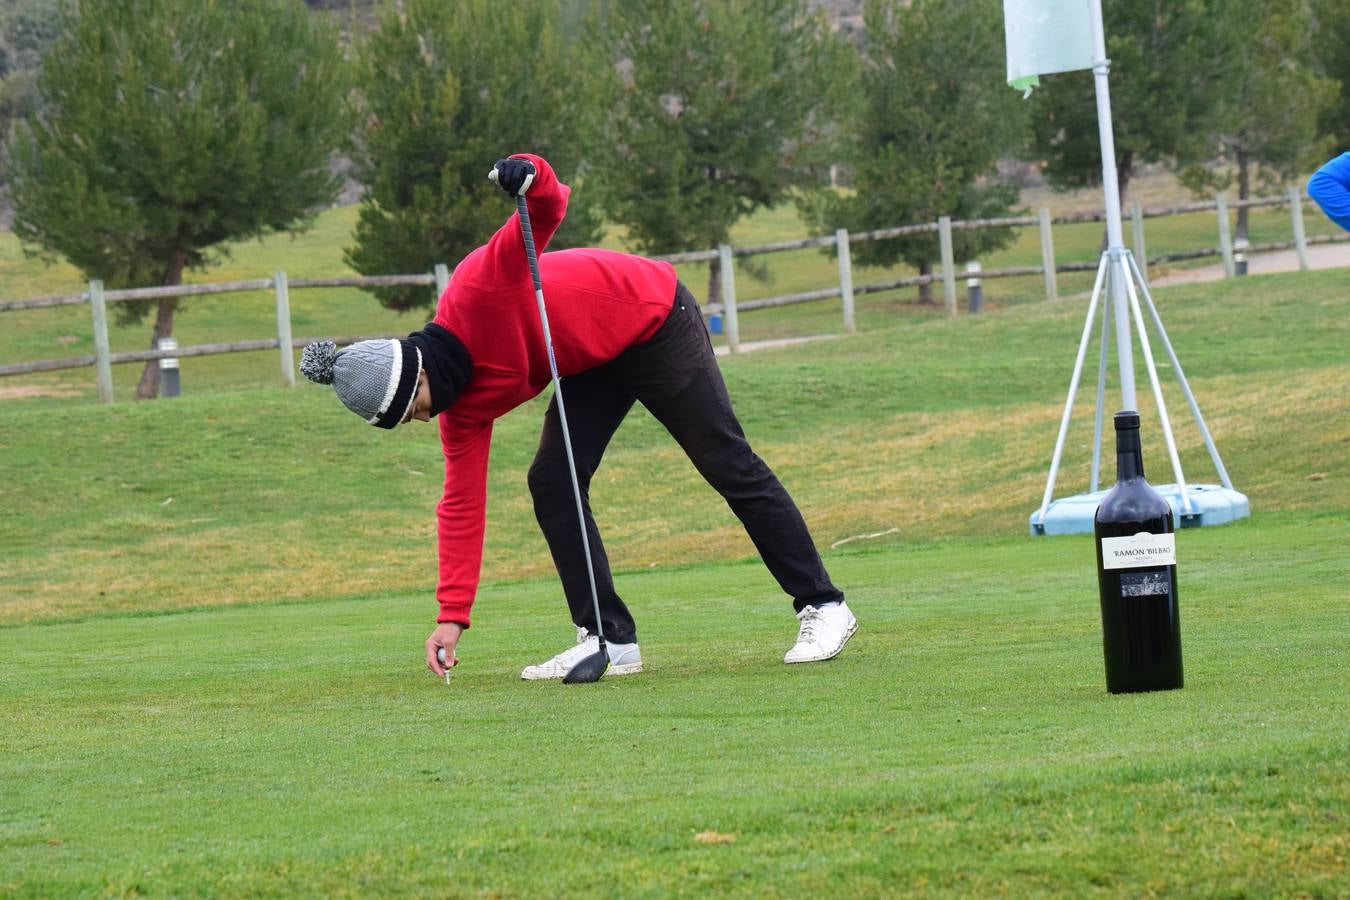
{"type": "Point", "coordinates": [1137, 575]}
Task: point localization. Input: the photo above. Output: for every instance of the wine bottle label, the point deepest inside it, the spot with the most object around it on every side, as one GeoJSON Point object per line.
{"type": "Point", "coordinates": [1139, 550]}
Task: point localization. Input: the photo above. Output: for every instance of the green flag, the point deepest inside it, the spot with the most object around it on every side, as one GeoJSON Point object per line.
{"type": "Point", "coordinates": [1045, 36]}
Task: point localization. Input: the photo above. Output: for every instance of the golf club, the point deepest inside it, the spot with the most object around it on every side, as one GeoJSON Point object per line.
{"type": "Point", "coordinates": [594, 666]}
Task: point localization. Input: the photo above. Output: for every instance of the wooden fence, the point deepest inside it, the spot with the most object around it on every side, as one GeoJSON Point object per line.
{"type": "Point", "coordinates": [1232, 255]}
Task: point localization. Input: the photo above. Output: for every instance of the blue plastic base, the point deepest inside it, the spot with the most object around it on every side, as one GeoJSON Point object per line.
{"type": "Point", "coordinates": [1211, 504]}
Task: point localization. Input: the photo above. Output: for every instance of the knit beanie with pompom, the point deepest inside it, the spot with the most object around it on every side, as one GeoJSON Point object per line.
{"type": "Point", "coordinates": [377, 380]}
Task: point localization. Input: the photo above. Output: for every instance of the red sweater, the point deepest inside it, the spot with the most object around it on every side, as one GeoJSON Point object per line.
{"type": "Point", "coordinates": [600, 302]}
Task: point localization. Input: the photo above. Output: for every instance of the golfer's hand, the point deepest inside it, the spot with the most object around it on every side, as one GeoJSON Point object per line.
{"type": "Point", "coordinates": [446, 635]}
{"type": "Point", "coordinates": [513, 176]}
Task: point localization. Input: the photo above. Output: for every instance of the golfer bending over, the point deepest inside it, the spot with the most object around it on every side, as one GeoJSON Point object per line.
{"type": "Point", "coordinates": [624, 330]}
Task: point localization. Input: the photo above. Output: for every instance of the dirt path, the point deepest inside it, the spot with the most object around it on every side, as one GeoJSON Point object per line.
{"type": "Point", "coordinates": [1320, 256]}
{"type": "Point", "coordinates": [747, 346]}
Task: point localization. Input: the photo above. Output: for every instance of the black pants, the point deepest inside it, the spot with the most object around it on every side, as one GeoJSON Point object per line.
{"type": "Point", "coordinates": [675, 376]}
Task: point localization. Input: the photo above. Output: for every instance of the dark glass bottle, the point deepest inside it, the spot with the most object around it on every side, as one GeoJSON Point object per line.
{"type": "Point", "coordinates": [1137, 575]}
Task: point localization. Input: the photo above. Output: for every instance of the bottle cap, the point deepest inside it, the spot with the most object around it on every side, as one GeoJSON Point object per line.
{"type": "Point", "coordinates": [1127, 418]}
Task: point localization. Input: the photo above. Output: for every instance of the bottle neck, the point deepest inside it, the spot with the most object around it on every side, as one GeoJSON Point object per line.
{"type": "Point", "coordinates": [1129, 456]}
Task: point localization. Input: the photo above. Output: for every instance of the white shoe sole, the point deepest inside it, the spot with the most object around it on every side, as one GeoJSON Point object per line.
{"type": "Point", "coordinates": [625, 669]}
{"type": "Point", "coordinates": [852, 628]}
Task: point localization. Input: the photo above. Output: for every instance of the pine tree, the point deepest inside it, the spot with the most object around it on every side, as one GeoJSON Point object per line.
{"type": "Point", "coordinates": [169, 127]}
{"type": "Point", "coordinates": [1172, 70]}
{"type": "Point", "coordinates": [447, 90]}
{"type": "Point", "coordinates": [720, 108]}
{"type": "Point", "coordinates": [1269, 128]}
{"type": "Point", "coordinates": [936, 118]}
{"type": "Point", "coordinates": [1331, 59]}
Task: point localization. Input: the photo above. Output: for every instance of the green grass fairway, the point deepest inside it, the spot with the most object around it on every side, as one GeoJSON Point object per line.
{"type": "Point", "coordinates": [963, 743]}
{"type": "Point", "coordinates": [212, 612]}
{"type": "Point", "coordinates": [932, 429]}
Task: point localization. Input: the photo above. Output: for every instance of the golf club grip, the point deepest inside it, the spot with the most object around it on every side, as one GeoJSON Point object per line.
{"type": "Point", "coordinates": [527, 233]}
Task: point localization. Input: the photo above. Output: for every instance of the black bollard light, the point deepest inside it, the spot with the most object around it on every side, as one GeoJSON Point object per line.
{"type": "Point", "coordinates": [168, 369]}
{"type": "Point", "coordinates": [974, 290]}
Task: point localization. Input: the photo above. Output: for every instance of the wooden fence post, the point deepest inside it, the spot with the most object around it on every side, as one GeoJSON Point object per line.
{"type": "Point", "coordinates": [845, 278]}
{"type": "Point", "coordinates": [1300, 238]}
{"type": "Point", "coordinates": [730, 323]}
{"type": "Point", "coordinates": [442, 281]}
{"type": "Point", "coordinates": [1225, 239]}
{"type": "Point", "coordinates": [103, 362]}
{"type": "Point", "coordinates": [282, 290]}
{"type": "Point", "coordinates": [1137, 228]}
{"type": "Point", "coordinates": [948, 264]}
{"type": "Point", "coordinates": [1048, 255]}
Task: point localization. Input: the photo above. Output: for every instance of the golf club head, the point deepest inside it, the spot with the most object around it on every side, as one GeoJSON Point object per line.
{"type": "Point", "coordinates": [589, 669]}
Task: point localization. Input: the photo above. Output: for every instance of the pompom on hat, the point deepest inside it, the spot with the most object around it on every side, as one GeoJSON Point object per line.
{"type": "Point", "coordinates": [377, 380]}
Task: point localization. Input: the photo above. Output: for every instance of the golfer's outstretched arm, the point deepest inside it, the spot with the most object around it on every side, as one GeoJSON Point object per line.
{"type": "Point", "coordinates": [460, 517]}
{"type": "Point", "coordinates": [1330, 188]}
{"type": "Point", "coordinates": [503, 260]}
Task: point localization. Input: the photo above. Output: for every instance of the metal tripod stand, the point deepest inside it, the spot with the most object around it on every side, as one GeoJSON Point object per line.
{"type": "Point", "coordinates": [1196, 504]}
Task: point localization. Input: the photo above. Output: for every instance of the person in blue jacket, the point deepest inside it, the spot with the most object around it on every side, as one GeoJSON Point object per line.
{"type": "Point", "coordinates": [1330, 188]}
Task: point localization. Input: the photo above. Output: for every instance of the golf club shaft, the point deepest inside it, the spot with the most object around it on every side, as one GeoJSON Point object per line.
{"type": "Point", "coordinates": [528, 234]}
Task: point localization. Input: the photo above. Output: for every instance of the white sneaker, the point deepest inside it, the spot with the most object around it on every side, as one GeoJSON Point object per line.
{"type": "Point", "coordinates": [624, 659]}
{"type": "Point", "coordinates": [824, 632]}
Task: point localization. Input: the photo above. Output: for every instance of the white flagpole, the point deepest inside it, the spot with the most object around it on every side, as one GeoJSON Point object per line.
{"type": "Point", "coordinates": [1115, 233]}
